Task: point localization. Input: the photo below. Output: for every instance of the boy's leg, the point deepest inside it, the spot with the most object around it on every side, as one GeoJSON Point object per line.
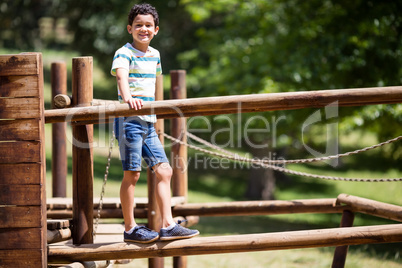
{"type": "Point", "coordinates": [170, 230]}
{"type": "Point", "coordinates": [133, 232]}
{"type": "Point", "coordinates": [127, 190]}
{"type": "Point", "coordinates": [163, 173]}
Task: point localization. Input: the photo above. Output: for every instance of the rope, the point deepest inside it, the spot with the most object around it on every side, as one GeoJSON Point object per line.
{"type": "Point", "coordinates": [298, 161]}
{"type": "Point", "coordinates": [111, 144]}
{"type": "Point", "coordinates": [268, 163]}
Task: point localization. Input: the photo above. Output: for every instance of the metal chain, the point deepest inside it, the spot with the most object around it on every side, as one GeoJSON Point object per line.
{"type": "Point", "coordinates": [267, 163]}
{"type": "Point", "coordinates": [111, 144]}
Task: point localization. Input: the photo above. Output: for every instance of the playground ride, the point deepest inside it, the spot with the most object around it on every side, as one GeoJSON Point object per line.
{"type": "Point", "coordinates": [24, 210]}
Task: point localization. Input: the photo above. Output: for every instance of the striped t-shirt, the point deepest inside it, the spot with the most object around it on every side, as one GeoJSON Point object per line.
{"type": "Point", "coordinates": [143, 69]}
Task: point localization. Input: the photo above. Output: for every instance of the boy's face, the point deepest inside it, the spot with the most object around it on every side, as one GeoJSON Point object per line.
{"type": "Point", "coordinates": [143, 30]}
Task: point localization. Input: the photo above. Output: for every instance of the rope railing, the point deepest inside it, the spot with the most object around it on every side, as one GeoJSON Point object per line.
{"type": "Point", "coordinates": [269, 163]}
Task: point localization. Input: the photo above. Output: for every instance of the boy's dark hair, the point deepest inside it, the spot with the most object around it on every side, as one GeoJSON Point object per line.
{"type": "Point", "coordinates": [143, 9]}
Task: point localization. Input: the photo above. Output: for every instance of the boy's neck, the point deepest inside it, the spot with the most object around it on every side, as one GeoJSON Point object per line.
{"type": "Point", "coordinates": [140, 47]}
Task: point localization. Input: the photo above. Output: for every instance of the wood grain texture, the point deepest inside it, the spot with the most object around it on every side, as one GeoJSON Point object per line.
{"type": "Point", "coordinates": [371, 207]}
{"type": "Point", "coordinates": [19, 130]}
{"type": "Point", "coordinates": [25, 173]}
{"type": "Point", "coordinates": [231, 244]}
{"type": "Point", "coordinates": [21, 64]}
{"type": "Point", "coordinates": [19, 86]}
{"type": "Point", "coordinates": [20, 238]}
{"type": "Point", "coordinates": [20, 152]}
{"type": "Point", "coordinates": [20, 195]}
{"type": "Point", "coordinates": [20, 217]}
{"type": "Point", "coordinates": [17, 258]}
{"type": "Point", "coordinates": [20, 108]}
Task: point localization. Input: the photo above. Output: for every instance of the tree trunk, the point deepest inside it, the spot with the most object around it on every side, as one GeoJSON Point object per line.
{"type": "Point", "coordinates": [261, 183]}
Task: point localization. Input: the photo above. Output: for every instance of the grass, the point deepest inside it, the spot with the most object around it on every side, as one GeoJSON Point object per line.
{"type": "Point", "coordinates": [207, 185]}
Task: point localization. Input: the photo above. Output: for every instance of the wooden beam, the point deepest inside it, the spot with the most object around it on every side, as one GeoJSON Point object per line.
{"type": "Point", "coordinates": [269, 207]}
{"type": "Point", "coordinates": [230, 244]}
{"type": "Point", "coordinates": [371, 207]}
{"type": "Point", "coordinates": [239, 208]}
{"type": "Point", "coordinates": [58, 235]}
{"type": "Point", "coordinates": [262, 102]}
{"type": "Point", "coordinates": [62, 101]}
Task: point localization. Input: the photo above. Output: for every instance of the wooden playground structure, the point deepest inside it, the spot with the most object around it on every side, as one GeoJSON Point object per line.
{"type": "Point", "coordinates": [25, 213]}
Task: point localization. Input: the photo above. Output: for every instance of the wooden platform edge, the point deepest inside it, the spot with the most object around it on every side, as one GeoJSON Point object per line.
{"type": "Point", "coordinates": [229, 244]}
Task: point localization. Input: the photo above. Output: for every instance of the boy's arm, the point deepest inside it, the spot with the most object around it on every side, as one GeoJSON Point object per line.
{"type": "Point", "coordinates": [122, 82]}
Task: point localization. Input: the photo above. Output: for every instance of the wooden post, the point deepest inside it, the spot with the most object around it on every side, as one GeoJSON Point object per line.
{"type": "Point", "coordinates": [341, 251]}
{"type": "Point", "coordinates": [178, 130]}
{"type": "Point", "coordinates": [59, 153]}
{"type": "Point", "coordinates": [82, 87]}
{"type": "Point", "coordinates": [154, 215]}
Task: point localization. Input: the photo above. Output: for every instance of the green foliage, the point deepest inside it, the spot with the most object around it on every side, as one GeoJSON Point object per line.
{"type": "Point", "coordinates": [275, 46]}
{"type": "Point", "coordinates": [239, 47]}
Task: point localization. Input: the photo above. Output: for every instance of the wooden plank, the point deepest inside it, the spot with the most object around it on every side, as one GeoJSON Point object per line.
{"type": "Point", "coordinates": [19, 86]}
{"type": "Point", "coordinates": [21, 258]}
{"type": "Point", "coordinates": [21, 238]}
{"type": "Point", "coordinates": [20, 195]}
{"type": "Point", "coordinates": [20, 152]}
{"type": "Point", "coordinates": [20, 217]}
{"type": "Point", "coordinates": [230, 244]}
{"type": "Point", "coordinates": [26, 173]}
{"type": "Point", "coordinates": [21, 64]}
{"type": "Point", "coordinates": [20, 108]}
{"type": "Point", "coordinates": [19, 129]}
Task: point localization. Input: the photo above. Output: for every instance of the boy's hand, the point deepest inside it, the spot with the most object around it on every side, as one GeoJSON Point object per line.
{"type": "Point", "coordinates": [135, 103]}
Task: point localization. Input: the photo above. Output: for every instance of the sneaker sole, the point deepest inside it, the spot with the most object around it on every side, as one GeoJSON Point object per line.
{"type": "Point", "coordinates": [142, 242]}
{"type": "Point", "coordinates": [168, 238]}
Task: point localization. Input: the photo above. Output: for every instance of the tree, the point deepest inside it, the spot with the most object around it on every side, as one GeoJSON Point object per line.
{"type": "Point", "coordinates": [270, 46]}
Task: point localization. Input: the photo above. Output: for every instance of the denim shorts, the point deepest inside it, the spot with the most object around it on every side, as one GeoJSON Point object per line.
{"type": "Point", "coordinates": [138, 139]}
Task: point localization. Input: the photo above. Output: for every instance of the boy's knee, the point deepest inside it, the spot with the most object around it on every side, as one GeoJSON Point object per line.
{"type": "Point", "coordinates": [131, 176]}
{"type": "Point", "coordinates": [164, 170]}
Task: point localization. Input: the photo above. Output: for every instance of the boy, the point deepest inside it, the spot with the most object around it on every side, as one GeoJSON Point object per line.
{"type": "Point", "coordinates": [136, 66]}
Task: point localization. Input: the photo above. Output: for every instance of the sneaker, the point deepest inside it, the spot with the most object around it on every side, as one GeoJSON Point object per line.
{"type": "Point", "coordinates": [177, 232]}
{"type": "Point", "coordinates": [141, 234]}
